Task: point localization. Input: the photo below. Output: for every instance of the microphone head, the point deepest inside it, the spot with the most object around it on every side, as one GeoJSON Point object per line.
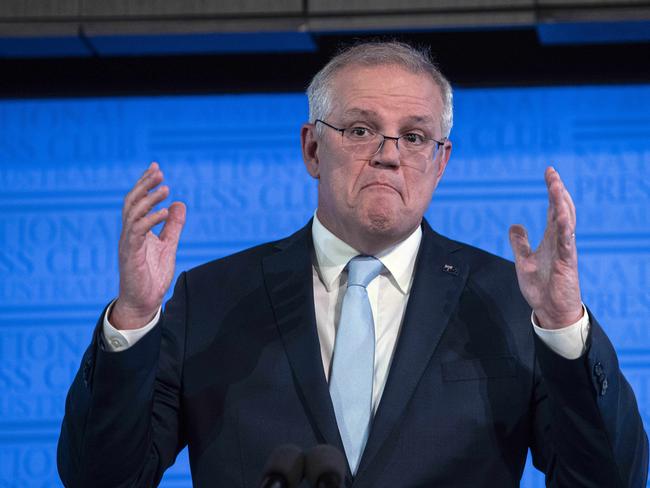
{"type": "Point", "coordinates": [286, 461]}
{"type": "Point", "coordinates": [325, 462]}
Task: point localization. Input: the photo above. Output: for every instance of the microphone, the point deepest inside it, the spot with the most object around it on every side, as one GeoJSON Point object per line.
{"type": "Point", "coordinates": [325, 467]}
{"type": "Point", "coordinates": [284, 468]}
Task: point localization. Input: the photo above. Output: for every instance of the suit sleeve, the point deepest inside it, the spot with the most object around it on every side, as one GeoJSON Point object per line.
{"type": "Point", "coordinates": [122, 425]}
{"type": "Point", "coordinates": [588, 431]}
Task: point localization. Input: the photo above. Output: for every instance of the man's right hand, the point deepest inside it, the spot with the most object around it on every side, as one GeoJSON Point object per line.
{"type": "Point", "coordinates": [146, 261]}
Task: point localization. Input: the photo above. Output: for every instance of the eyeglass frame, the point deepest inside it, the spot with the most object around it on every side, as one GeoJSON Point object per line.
{"type": "Point", "coordinates": [384, 137]}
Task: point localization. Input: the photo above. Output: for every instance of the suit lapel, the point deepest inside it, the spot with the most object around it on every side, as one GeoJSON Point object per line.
{"type": "Point", "coordinates": [438, 282]}
{"type": "Point", "coordinates": [288, 278]}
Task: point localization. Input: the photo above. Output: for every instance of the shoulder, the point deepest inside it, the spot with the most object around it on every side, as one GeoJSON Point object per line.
{"type": "Point", "coordinates": [482, 261]}
{"type": "Point", "coordinates": [490, 287]}
{"type": "Point", "coordinates": [478, 260]}
{"type": "Point", "coordinates": [485, 273]}
{"type": "Point", "coordinates": [247, 263]}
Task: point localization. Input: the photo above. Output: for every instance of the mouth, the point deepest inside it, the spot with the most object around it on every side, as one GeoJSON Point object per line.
{"type": "Point", "coordinates": [380, 186]}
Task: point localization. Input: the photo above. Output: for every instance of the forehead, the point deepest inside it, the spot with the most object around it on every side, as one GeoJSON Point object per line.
{"type": "Point", "coordinates": [387, 92]}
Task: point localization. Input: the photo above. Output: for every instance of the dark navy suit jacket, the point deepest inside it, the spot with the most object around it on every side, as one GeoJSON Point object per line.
{"type": "Point", "coordinates": [234, 369]}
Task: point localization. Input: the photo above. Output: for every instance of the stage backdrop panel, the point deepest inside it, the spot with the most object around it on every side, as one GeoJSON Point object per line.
{"type": "Point", "coordinates": [65, 166]}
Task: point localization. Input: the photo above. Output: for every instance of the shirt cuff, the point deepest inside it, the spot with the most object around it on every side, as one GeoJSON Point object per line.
{"type": "Point", "coordinates": [120, 340]}
{"type": "Point", "coordinates": [569, 342]}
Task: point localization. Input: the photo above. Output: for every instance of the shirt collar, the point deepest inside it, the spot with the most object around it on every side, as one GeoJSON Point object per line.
{"type": "Point", "coordinates": [333, 254]}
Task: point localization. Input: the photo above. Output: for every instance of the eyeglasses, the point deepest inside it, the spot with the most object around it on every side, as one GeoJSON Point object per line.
{"type": "Point", "coordinates": [363, 142]}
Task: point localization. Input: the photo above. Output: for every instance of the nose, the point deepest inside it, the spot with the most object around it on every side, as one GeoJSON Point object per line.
{"type": "Point", "coordinates": [388, 153]}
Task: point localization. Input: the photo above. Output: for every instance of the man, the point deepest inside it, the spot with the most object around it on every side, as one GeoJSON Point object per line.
{"type": "Point", "coordinates": [428, 373]}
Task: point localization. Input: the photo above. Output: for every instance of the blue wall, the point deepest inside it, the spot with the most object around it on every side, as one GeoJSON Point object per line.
{"type": "Point", "coordinates": [65, 166]}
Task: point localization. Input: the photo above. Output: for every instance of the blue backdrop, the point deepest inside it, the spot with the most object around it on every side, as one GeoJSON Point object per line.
{"type": "Point", "coordinates": [65, 166]}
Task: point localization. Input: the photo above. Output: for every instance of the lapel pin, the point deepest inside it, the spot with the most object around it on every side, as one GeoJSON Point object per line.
{"type": "Point", "coordinates": [451, 269]}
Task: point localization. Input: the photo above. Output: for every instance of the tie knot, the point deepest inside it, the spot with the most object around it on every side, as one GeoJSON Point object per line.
{"type": "Point", "coordinates": [363, 269]}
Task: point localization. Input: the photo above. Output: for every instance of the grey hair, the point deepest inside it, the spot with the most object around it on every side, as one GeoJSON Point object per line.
{"type": "Point", "coordinates": [378, 54]}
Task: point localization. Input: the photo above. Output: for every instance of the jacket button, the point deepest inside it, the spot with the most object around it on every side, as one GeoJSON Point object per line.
{"type": "Point", "coordinates": [598, 369]}
{"type": "Point", "coordinates": [86, 371]}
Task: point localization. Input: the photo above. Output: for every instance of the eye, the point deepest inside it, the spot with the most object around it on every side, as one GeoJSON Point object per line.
{"type": "Point", "coordinates": [359, 133]}
{"type": "Point", "coordinates": [414, 139]}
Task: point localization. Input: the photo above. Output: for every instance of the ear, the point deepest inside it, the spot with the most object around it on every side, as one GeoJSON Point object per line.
{"type": "Point", "coordinates": [443, 159]}
{"type": "Point", "coordinates": [309, 142]}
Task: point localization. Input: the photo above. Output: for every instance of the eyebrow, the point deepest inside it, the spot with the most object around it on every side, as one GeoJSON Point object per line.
{"type": "Point", "coordinates": [420, 119]}
{"type": "Point", "coordinates": [354, 112]}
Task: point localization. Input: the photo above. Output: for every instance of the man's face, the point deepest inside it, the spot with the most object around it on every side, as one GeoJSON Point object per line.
{"type": "Point", "coordinates": [375, 201]}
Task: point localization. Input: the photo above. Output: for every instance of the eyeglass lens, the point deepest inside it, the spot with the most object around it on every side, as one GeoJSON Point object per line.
{"type": "Point", "coordinates": [417, 158]}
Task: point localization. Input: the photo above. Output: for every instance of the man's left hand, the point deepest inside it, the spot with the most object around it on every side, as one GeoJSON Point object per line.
{"type": "Point", "coordinates": [548, 277]}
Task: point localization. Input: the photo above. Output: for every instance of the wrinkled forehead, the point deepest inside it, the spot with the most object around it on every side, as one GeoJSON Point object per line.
{"type": "Point", "coordinates": [358, 111]}
{"type": "Point", "coordinates": [377, 91]}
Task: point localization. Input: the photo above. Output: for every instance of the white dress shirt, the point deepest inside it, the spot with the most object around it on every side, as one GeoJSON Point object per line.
{"type": "Point", "coordinates": [388, 295]}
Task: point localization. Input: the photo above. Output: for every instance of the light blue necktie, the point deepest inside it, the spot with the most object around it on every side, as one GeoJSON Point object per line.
{"type": "Point", "coordinates": [354, 359]}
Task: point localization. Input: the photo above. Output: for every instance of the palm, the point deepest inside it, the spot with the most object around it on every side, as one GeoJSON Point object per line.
{"type": "Point", "coordinates": [153, 267]}
{"type": "Point", "coordinates": [548, 277]}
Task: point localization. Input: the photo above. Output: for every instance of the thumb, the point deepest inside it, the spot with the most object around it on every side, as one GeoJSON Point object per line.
{"type": "Point", "coordinates": [174, 224]}
{"type": "Point", "coordinates": [519, 241]}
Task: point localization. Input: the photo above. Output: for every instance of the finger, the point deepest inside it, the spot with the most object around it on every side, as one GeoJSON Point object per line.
{"type": "Point", "coordinates": [561, 213]}
{"type": "Point", "coordinates": [147, 203]}
{"type": "Point", "coordinates": [554, 190]}
{"type": "Point", "coordinates": [564, 220]}
{"type": "Point", "coordinates": [519, 242]}
{"type": "Point", "coordinates": [564, 212]}
{"type": "Point", "coordinates": [149, 180]}
{"type": "Point", "coordinates": [145, 224]}
{"type": "Point", "coordinates": [171, 231]}
{"type": "Point", "coordinates": [151, 170]}
{"type": "Point", "coordinates": [152, 167]}
{"type": "Point", "coordinates": [140, 191]}
{"type": "Point", "coordinates": [572, 209]}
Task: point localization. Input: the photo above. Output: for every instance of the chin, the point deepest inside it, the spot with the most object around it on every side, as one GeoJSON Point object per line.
{"type": "Point", "coordinates": [384, 222]}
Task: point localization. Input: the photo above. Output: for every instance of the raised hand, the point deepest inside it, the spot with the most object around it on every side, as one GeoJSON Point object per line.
{"type": "Point", "coordinates": [548, 277]}
{"type": "Point", "coordinates": [146, 261]}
